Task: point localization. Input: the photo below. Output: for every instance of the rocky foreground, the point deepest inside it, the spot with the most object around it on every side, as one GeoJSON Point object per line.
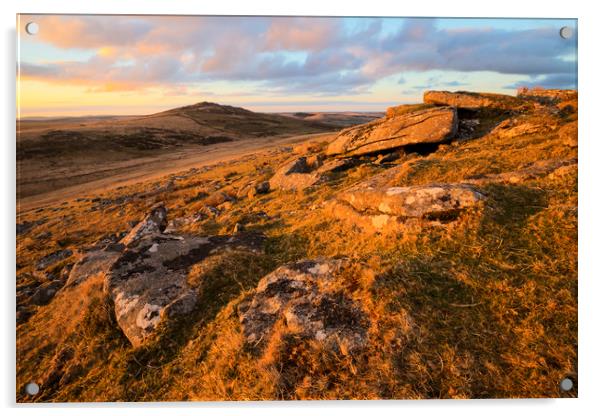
{"type": "Point", "coordinates": [429, 253]}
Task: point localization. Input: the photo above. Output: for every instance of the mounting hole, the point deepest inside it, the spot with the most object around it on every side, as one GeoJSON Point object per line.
{"type": "Point", "coordinates": [566, 384]}
{"type": "Point", "coordinates": [32, 28]}
{"type": "Point", "coordinates": [566, 32]}
{"type": "Point", "coordinates": [32, 389]}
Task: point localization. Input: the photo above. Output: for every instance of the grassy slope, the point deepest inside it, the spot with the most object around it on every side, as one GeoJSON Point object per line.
{"type": "Point", "coordinates": [484, 308]}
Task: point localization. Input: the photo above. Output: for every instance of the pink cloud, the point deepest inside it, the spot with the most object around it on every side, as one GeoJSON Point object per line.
{"type": "Point", "coordinates": [140, 52]}
{"type": "Point", "coordinates": [301, 33]}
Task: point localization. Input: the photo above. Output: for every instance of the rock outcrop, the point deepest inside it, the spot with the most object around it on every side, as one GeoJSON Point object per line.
{"type": "Point", "coordinates": [145, 274]}
{"type": "Point", "coordinates": [473, 100]}
{"type": "Point", "coordinates": [147, 283]}
{"type": "Point", "coordinates": [303, 300]}
{"type": "Point", "coordinates": [552, 96]}
{"type": "Point", "coordinates": [422, 201]}
{"type": "Point", "coordinates": [425, 125]}
{"type": "Point", "coordinates": [379, 204]}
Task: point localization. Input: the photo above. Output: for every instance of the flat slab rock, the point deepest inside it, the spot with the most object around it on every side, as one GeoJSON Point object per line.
{"type": "Point", "coordinates": [473, 100]}
{"type": "Point", "coordinates": [424, 125]}
{"type": "Point", "coordinates": [303, 300]}
{"type": "Point", "coordinates": [423, 201]}
{"type": "Point", "coordinates": [378, 204]}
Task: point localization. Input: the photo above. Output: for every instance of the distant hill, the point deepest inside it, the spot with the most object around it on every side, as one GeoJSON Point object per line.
{"type": "Point", "coordinates": [54, 153]}
{"type": "Point", "coordinates": [337, 119]}
{"type": "Point", "coordinates": [203, 123]}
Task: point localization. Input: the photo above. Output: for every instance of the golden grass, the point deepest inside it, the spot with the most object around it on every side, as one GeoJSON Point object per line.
{"type": "Point", "coordinates": [484, 308]}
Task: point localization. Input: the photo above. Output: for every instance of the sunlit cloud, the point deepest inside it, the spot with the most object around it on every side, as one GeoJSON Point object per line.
{"type": "Point", "coordinates": [300, 57]}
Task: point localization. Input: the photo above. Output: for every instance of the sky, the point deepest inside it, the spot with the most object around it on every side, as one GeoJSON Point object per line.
{"type": "Point", "coordinates": [98, 65]}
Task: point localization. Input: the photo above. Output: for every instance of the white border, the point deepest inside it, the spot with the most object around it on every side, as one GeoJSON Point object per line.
{"type": "Point", "coordinates": [590, 142]}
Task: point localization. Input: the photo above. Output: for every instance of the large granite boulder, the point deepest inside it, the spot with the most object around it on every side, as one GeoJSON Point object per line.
{"type": "Point", "coordinates": [398, 129]}
{"type": "Point", "coordinates": [145, 274]}
{"type": "Point", "coordinates": [473, 100]}
{"type": "Point", "coordinates": [301, 298]}
{"type": "Point", "coordinates": [148, 282]}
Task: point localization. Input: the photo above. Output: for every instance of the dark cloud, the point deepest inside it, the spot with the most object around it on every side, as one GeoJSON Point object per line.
{"type": "Point", "coordinates": [419, 45]}
{"type": "Point", "coordinates": [560, 81]}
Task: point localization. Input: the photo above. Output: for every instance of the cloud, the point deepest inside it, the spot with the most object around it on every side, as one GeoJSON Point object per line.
{"type": "Point", "coordinates": [288, 54]}
{"type": "Point", "coordinates": [419, 45]}
{"type": "Point", "coordinates": [560, 81]}
{"type": "Point", "coordinates": [302, 33]}
{"type": "Point", "coordinates": [91, 31]}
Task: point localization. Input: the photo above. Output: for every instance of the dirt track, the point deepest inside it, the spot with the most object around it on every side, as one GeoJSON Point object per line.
{"type": "Point", "coordinates": [111, 175]}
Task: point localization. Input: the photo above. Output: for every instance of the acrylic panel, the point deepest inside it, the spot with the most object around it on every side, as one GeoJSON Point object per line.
{"type": "Point", "coordinates": [229, 208]}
